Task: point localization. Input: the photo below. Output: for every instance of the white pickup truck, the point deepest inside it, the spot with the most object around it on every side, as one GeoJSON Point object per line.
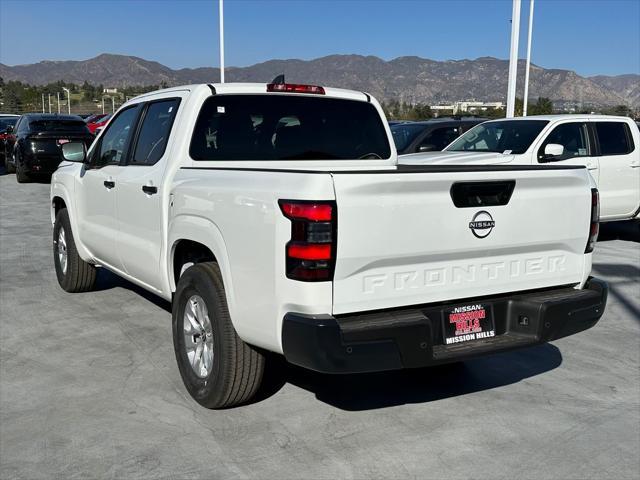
{"type": "Point", "coordinates": [608, 146]}
{"type": "Point", "coordinates": [275, 218]}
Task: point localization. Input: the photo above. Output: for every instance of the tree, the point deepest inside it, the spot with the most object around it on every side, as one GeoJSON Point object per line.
{"type": "Point", "coordinates": [543, 106]}
{"type": "Point", "coordinates": [519, 105]}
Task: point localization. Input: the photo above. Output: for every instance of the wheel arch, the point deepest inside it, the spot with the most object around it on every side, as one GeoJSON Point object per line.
{"type": "Point", "coordinates": [62, 198]}
{"type": "Point", "coordinates": [194, 239]}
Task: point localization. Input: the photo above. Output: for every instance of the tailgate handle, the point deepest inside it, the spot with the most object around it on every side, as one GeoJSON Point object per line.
{"type": "Point", "coordinates": [482, 194]}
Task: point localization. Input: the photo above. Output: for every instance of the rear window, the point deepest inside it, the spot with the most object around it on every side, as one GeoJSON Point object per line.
{"type": "Point", "coordinates": [614, 138]}
{"type": "Point", "coordinates": [287, 127]}
{"type": "Point", "coordinates": [76, 126]}
{"type": "Point", "coordinates": [5, 122]}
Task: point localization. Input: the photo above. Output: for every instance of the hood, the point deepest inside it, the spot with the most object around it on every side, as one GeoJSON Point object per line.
{"type": "Point", "coordinates": [454, 158]}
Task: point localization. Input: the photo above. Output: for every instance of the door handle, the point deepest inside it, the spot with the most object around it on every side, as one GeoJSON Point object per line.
{"type": "Point", "coordinates": [635, 165]}
{"type": "Point", "coordinates": [149, 190]}
{"type": "Point", "coordinates": [109, 184]}
{"type": "Point", "coordinates": [592, 166]}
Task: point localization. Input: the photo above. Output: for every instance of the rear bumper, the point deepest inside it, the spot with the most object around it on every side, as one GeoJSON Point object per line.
{"type": "Point", "coordinates": [41, 163]}
{"type": "Point", "coordinates": [413, 337]}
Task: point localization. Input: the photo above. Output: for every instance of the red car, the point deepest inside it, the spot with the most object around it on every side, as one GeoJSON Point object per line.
{"type": "Point", "coordinates": [95, 117]}
{"type": "Point", "coordinates": [99, 123]}
{"type": "Point", "coordinates": [6, 121]}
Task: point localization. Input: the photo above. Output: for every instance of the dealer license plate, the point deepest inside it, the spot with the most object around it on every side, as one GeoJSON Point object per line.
{"type": "Point", "coordinates": [467, 323]}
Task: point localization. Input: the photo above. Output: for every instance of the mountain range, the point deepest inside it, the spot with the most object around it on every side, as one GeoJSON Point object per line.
{"type": "Point", "coordinates": [410, 79]}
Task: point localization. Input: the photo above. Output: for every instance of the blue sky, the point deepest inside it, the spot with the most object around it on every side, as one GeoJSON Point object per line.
{"type": "Point", "coordinates": [588, 36]}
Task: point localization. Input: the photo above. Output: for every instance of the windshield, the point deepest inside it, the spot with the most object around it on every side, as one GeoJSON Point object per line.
{"type": "Point", "coordinates": [5, 122]}
{"type": "Point", "coordinates": [288, 127]}
{"type": "Point", "coordinates": [404, 134]}
{"type": "Point", "coordinates": [58, 126]}
{"type": "Point", "coordinates": [504, 136]}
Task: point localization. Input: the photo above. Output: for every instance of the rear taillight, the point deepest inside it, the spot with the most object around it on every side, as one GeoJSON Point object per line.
{"type": "Point", "coordinates": [294, 88]}
{"type": "Point", "coordinates": [594, 226]}
{"type": "Point", "coordinates": [311, 252]}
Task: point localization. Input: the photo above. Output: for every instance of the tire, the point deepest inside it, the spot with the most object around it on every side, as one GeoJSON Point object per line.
{"type": "Point", "coordinates": [21, 175]}
{"type": "Point", "coordinates": [78, 275]}
{"type": "Point", "coordinates": [234, 371]}
{"type": "Point", "coordinates": [7, 165]}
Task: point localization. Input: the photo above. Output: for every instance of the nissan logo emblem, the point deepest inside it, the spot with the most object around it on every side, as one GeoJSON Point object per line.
{"type": "Point", "coordinates": [481, 224]}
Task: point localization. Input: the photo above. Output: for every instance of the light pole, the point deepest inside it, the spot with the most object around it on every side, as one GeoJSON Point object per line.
{"type": "Point", "coordinates": [221, 15]}
{"type": "Point", "coordinates": [513, 59]}
{"type": "Point", "coordinates": [43, 103]}
{"type": "Point", "coordinates": [58, 95]}
{"type": "Point", "coordinates": [525, 100]}
{"type": "Point", "coordinates": [49, 98]}
{"type": "Point", "coordinates": [68, 99]}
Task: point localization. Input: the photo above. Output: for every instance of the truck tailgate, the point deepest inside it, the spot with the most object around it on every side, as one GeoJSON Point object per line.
{"type": "Point", "coordinates": [402, 240]}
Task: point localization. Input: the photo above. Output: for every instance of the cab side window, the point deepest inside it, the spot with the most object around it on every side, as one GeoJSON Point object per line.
{"type": "Point", "coordinates": [114, 143]}
{"type": "Point", "coordinates": [155, 131]}
{"type": "Point", "coordinates": [614, 138]}
{"type": "Point", "coordinates": [572, 136]}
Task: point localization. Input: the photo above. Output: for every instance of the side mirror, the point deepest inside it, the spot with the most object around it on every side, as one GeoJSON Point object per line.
{"type": "Point", "coordinates": [74, 152]}
{"type": "Point", "coordinates": [427, 148]}
{"type": "Point", "coordinates": [9, 129]}
{"type": "Point", "coordinates": [553, 150]}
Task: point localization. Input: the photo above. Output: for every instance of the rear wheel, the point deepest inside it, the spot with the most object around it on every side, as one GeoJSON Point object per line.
{"type": "Point", "coordinates": [218, 369]}
{"type": "Point", "coordinates": [21, 175]}
{"type": "Point", "coordinates": [7, 165]}
{"type": "Point", "coordinates": [74, 274]}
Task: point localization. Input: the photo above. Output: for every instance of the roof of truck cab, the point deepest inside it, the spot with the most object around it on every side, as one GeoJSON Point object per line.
{"type": "Point", "coordinates": [258, 88]}
{"type": "Point", "coordinates": [565, 116]}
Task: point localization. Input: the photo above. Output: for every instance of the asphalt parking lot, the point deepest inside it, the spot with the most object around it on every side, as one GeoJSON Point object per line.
{"type": "Point", "coordinates": [89, 388]}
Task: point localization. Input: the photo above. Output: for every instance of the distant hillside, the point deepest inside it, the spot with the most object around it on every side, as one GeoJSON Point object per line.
{"type": "Point", "coordinates": [410, 79]}
{"type": "Point", "coordinates": [626, 86]}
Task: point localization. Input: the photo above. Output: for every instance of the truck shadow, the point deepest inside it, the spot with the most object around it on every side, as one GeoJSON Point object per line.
{"type": "Point", "coordinates": [107, 280]}
{"type": "Point", "coordinates": [629, 230]}
{"type": "Point", "coordinates": [619, 275]}
{"type": "Point", "coordinates": [386, 389]}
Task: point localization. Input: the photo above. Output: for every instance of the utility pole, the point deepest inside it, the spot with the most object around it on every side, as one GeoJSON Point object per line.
{"type": "Point", "coordinates": [221, 15]}
{"type": "Point", "coordinates": [49, 97]}
{"type": "Point", "coordinates": [43, 103]}
{"type": "Point", "coordinates": [525, 100]}
{"type": "Point", "coordinates": [58, 95]}
{"type": "Point", "coordinates": [513, 59]}
{"type": "Point", "coordinates": [68, 99]}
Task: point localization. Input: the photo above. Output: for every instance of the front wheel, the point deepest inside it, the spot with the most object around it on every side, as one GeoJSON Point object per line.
{"type": "Point", "coordinates": [218, 369]}
{"type": "Point", "coordinates": [74, 274]}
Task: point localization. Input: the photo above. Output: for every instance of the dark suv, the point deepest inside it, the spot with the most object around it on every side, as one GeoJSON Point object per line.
{"type": "Point", "coordinates": [430, 135]}
{"type": "Point", "coordinates": [34, 144]}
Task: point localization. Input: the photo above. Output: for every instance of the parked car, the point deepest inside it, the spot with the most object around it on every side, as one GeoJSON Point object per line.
{"type": "Point", "coordinates": [5, 131]}
{"type": "Point", "coordinates": [608, 146]}
{"type": "Point", "coordinates": [98, 123]}
{"type": "Point", "coordinates": [95, 117]}
{"type": "Point", "coordinates": [430, 135]}
{"type": "Point", "coordinates": [35, 144]}
{"type": "Point", "coordinates": [275, 218]}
